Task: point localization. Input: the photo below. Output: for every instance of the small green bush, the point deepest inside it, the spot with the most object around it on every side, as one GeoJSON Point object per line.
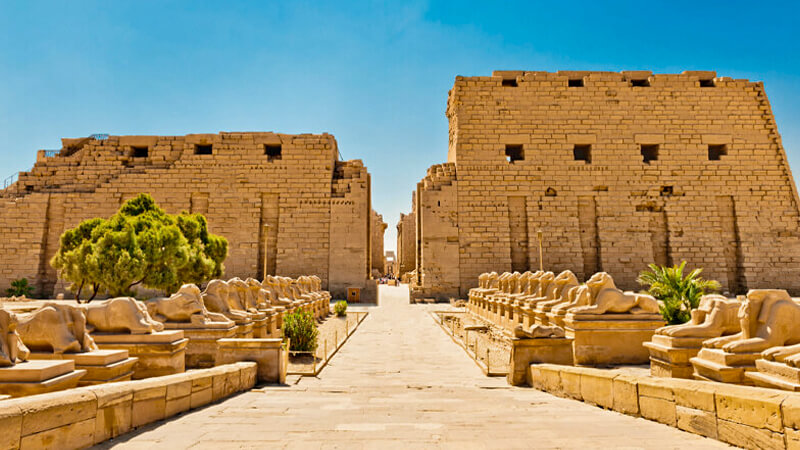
{"type": "Point", "coordinates": [678, 295]}
{"type": "Point", "coordinates": [340, 308]}
{"type": "Point", "coordinates": [19, 288]}
{"type": "Point", "coordinates": [301, 329]}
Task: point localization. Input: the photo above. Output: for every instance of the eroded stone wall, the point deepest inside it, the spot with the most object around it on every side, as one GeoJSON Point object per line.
{"type": "Point", "coordinates": [617, 170]}
{"type": "Point", "coordinates": [406, 241]}
{"type": "Point", "coordinates": [269, 194]}
{"type": "Point", "coordinates": [378, 230]}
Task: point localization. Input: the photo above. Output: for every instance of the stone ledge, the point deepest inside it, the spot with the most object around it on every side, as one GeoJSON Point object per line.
{"type": "Point", "coordinates": [82, 417]}
{"type": "Point", "coordinates": [738, 415]}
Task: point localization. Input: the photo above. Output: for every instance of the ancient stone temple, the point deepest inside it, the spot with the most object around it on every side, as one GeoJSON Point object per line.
{"type": "Point", "coordinates": [284, 201]}
{"type": "Point", "coordinates": [616, 170]}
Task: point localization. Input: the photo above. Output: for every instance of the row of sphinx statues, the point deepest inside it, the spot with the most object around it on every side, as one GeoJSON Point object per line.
{"type": "Point", "coordinates": [750, 339]}
{"type": "Point", "coordinates": [60, 327]}
{"type": "Point", "coordinates": [534, 304]}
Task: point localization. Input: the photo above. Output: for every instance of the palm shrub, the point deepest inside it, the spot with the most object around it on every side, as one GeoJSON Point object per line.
{"type": "Point", "coordinates": [19, 288]}
{"type": "Point", "coordinates": [301, 329]}
{"type": "Point", "coordinates": [677, 294]}
{"type": "Point", "coordinates": [340, 308]}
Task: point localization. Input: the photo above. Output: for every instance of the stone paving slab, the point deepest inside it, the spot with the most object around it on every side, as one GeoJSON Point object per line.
{"type": "Point", "coordinates": [400, 382]}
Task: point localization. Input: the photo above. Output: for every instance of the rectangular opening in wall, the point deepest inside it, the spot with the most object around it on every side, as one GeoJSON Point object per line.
{"type": "Point", "coordinates": [643, 82]}
{"type": "Point", "coordinates": [575, 82]}
{"type": "Point", "coordinates": [203, 149]}
{"type": "Point", "coordinates": [582, 152]}
{"type": "Point", "coordinates": [707, 83]}
{"type": "Point", "coordinates": [514, 153]}
{"type": "Point", "coordinates": [140, 152]}
{"type": "Point", "coordinates": [649, 153]}
{"type": "Point", "coordinates": [716, 152]}
{"type": "Point", "coordinates": [510, 82]}
{"type": "Point", "coordinates": [273, 151]}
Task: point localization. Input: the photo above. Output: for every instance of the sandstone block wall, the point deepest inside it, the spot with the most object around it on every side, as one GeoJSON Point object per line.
{"type": "Point", "coordinates": [617, 170]}
{"type": "Point", "coordinates": [378, 230]}
{"type": "Point", "coordinates": [406, 241]}
{"type": "Point", "coordinates": [286, 197]}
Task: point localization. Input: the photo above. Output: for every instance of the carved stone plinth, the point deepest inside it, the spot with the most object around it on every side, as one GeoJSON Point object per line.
{"type": "Point", "coordinates": [261, 327]}
{"type": "Point", "coordinates": [269, 354]}
{"type": "Point", "coordinates": [714, 364]}
{"type": "Point", "coordinates": [773, 374]}
{"type": "Point", "coordinates": [101, 366]}
{"type": "Point", "coordinates": [201, 350]}
{"type": "Point", "coordinates": [525, 352]}
{"type": "Point", "coordinates": [244, 329]}
{"type": "Point", "coordinates": [39, 376]}
{"type": "Point", "coordinates": [669, 356]}
{"type": "Point", "coordinates": [160, 353]}
{"type": "Point", "coordinates": [610, 339]}
{"type": "Point", "coordinates": [555, 319]}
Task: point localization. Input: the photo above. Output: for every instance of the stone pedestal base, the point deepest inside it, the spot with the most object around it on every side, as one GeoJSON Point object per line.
{"type": "Point", "coordinates": [540, 315]}
{"type": "Point", "coordinates": [271, 358]}
{"type": "Point", "coordinates": [611, 339]}
{"type": "Point", "coordinates": [244, 329]}
{"type": "Point", "coordinates": [525, 352]}
{"type": "Point", "coordinates": [261, 328]}
{"type": "Point", "coordinates": [161, 353]}
{"type": "Point", "coordinates": [669, 356]}
{"type": "Point", "coordinates": [39, 376]}
{"type": "Point", "coordinates": [775, 375]}
{"type": "Point", "coordinates": [713, 364]}
{"type": "Point", "coordinates": [101, 366]}
{"type": "Point", "coordinates": [201, 350]}
{"type": "Point", "coordinates": [556, 319]}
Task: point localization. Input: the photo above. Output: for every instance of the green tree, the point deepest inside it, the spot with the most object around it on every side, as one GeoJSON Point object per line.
{"type": "Point", "coordinates": [678, 295]}
{"type": "Point", "coordinates": [74, 258]}
{"type": "Point", "coordinates": [140, 244]}
{"type": "Point", "coordinates": [206, 252]}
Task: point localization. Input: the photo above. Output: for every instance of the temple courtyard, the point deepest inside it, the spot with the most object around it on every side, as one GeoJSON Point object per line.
{"type": "Point", "coordinates": [401, 382]}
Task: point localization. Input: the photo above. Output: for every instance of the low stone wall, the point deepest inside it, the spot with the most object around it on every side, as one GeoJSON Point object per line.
{"type": "Point", "coordinates": [82, 417]}
{"type": "Point", "coordinates": [739, 415]}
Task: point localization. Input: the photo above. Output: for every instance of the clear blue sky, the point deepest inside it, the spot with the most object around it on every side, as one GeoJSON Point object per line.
{"type": "Point", "coordinates": [374, 74]}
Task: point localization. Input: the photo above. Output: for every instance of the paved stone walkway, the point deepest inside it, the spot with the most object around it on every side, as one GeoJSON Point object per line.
{"type": "Point", "coordinates": [400, 382]}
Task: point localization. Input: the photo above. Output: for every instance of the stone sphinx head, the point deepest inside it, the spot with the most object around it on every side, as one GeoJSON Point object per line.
{"type": "Point", "coordinates": [258, 297]}
{"type": "Point", "coordinates": [12, 350]}
{"type": "Point", "coordinates": [564, 281]}
{"type": "Point", "coordinates": [598, 282]}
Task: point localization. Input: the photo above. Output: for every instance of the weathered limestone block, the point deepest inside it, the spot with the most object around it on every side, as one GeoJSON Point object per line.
{"type": "Point", "coordinates": [101, 366]}
{"type": "Point", "coordinates": [39, 376]}
{"type": "Point", "coordinates": [673, 346]}
{"type": "Point", "coordinates": [160, 353]}
{"type": "Point", "coordinates": [271, 358]}
{"type": "Point", "coordinates": [611, 339]}
{"type": "Point", "coordinates": [767, 318]}
{"type": "Point", "coordinates": [524, 352]}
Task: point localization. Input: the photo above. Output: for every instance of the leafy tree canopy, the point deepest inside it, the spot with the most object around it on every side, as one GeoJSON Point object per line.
{"type": "Point", "coordinates": [140, 244]}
